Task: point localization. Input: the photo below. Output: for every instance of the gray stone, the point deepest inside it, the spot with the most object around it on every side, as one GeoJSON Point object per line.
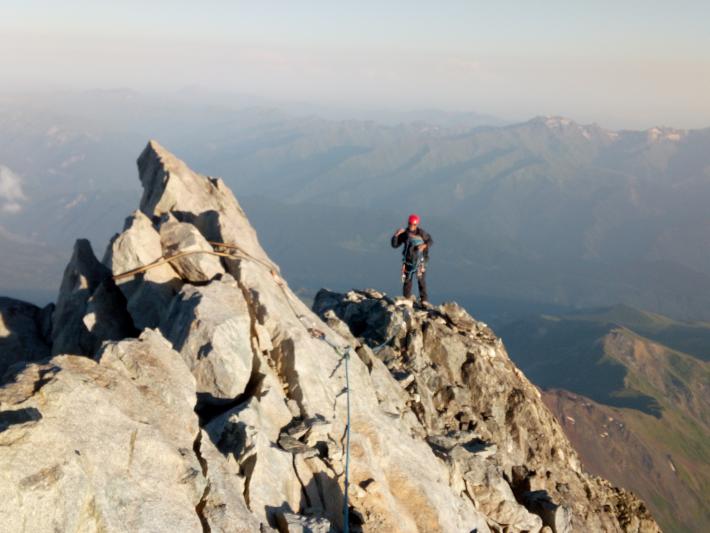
{"type": "Point", "coordinates": [101, 446]}
{"type": "Point", "coordinates": [82, 276]}
{"type": "Point", "coordinates": [293, 523]}
{"type": "Point", "coordinates": [106, 315]}
{"type": "Point", "coordinates": [149, 293]}
{"type": "Point", "coordinates": [492, 494]}
{"type": "Point", "coordinates": [295, 446]}
{"type": "Point", "coordinates": [224, 508]}
{"type": "Point", "coordinates": [169, 186]}
{"type": "Point", "coordinates": [458, 316]}
{"type": "Point", "coordinates": [211, 328]}
{"type": "Point", "coordinates": [178, 238]}
{"type": "Point", "coordinates": [556, 517]}
{"type": "Point", "coordinates": [464, 381]}
{"type": "Point", "coordinates": [249, 433]}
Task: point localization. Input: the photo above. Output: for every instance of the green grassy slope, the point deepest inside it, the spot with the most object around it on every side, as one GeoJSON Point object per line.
{"type": "Point", "coordinates": [640, 410]}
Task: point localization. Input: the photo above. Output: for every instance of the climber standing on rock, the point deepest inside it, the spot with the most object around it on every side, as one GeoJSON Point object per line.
{"type": "Point", "coordinates": [415, 256]}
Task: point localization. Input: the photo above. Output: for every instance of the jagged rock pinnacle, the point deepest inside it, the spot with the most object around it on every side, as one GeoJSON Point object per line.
{"type": "Point", "coordinates": [169, 186]}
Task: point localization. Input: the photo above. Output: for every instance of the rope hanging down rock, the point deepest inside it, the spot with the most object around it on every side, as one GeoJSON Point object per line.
{"type": "Point", "coordinates": [236, 252]}
{"type": "Point", "coordinates": [344, 356]}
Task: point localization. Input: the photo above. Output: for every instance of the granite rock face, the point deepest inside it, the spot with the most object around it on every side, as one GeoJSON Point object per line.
{"type": "Point", "coordinates": [211, 328]}
{"type": "Point", "coordinates": [483, 417]}
{"type": "Point", "coordinates": [208, 397]}
{"type": "Point", "coordinates": [101, 446]}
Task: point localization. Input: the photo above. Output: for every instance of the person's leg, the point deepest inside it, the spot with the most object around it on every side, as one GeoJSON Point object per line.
{"type": "Point", "coordinates": [421, 278]}
{"type": "Point", "coordinates": [407, 287]}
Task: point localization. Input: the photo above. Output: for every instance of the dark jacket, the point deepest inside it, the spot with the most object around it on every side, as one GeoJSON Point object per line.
{"type": "Point", "coordinates": [402, 238]}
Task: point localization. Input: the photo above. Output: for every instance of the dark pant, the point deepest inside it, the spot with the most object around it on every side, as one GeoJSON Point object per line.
{"type": "Point", "coordinates": [421, 280]}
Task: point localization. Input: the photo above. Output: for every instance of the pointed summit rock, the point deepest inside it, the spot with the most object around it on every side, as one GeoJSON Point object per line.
{"type": "Point", "coordinates": [169, 186]}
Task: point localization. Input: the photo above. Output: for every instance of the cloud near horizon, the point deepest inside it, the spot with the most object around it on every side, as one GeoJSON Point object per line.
{"type": "Point", "coordinates": [11, 194]}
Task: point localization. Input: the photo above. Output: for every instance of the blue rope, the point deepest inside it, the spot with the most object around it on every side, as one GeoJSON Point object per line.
{"type": "Point", "coordinates": [346, 509]}
{"type": "Point", "coordinates": [346, 357]}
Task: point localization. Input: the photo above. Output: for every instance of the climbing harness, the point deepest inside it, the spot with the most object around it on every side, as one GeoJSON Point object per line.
{"type": "Point", "coordinates": [237, 252]}
{"type": "Point", "coordinates": [410, 268]}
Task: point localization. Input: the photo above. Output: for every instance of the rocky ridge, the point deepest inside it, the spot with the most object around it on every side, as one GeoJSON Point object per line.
{"type": "Point", "coordinates": [201, 394]}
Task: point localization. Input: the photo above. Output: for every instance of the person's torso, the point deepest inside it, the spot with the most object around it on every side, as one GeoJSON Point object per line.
{"type": "Point", "coordinates": [412, 243]}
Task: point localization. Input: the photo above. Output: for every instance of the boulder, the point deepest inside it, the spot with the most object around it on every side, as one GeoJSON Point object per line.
{"type": "Point", "coordinates": [101, 445]}
{"type": "Point", "coordinates": [149, 293]}
{"type": "Point", "coordinates": [210, 327]}
{"type": "Point", "coordinates": [491, 493]}
{"type": "Point", "coordinates": [248, 433]}
{"type": "Point", "coordinates": [178, 238]}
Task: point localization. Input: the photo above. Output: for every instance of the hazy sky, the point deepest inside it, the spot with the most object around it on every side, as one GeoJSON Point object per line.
{"type": "Point", "coordinates": [620, 63]}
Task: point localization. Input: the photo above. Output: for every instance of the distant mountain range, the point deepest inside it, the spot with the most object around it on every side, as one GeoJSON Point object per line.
{"type": "Point", "coordinates": [548, 213]}
{"type": "Point", "coordinates": [632, 391]}
{"type": "Point", "coordinates": [539, 218]}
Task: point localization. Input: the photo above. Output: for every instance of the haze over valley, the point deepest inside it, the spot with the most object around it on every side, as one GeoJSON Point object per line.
{"type": "Point", "coordinates": [544, 214]}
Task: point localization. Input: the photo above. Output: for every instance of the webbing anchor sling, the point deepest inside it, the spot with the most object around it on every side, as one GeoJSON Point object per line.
{"type": "Point", "coordinates": [237, 252]}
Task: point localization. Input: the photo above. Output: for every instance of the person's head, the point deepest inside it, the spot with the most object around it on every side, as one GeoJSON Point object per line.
{"type": "Point", "coordinates": [413, 222]}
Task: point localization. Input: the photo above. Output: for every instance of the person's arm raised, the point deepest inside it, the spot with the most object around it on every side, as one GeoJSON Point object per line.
{"type": "Point", "coordinates": [395, 238]}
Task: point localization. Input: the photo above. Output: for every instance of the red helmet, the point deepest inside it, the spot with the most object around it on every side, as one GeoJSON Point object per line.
{"type": "Point", "coordinates": [413, 219]}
